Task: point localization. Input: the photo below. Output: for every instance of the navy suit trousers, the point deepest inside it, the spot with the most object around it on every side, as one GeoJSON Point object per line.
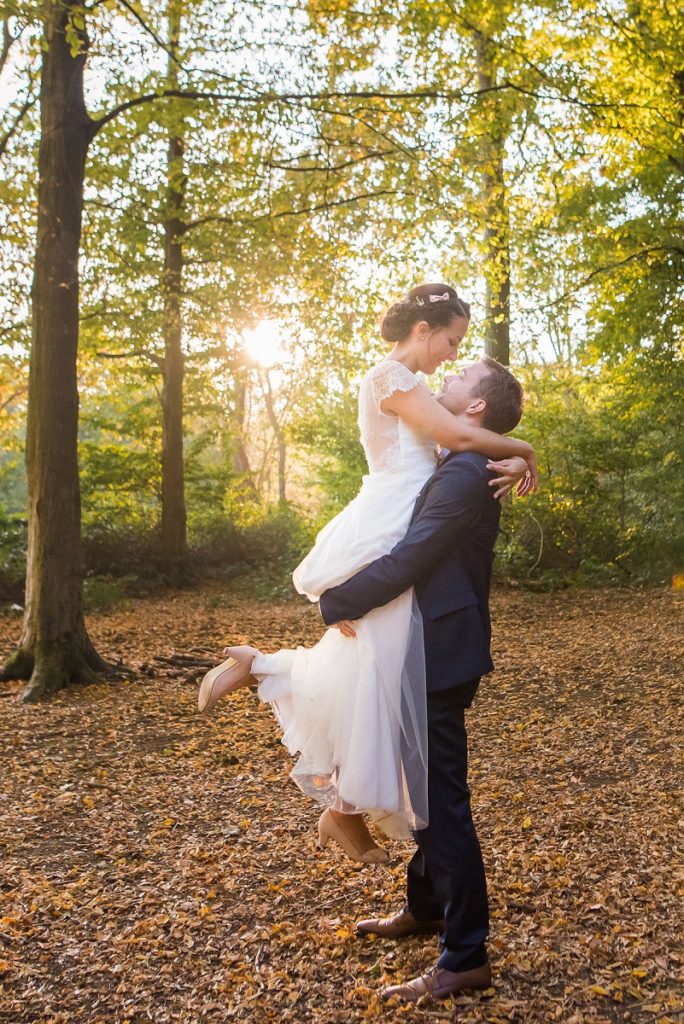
{"type": "Point", "coordinates": [446, 875]}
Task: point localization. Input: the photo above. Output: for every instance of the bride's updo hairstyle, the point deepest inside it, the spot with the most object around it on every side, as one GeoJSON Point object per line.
{"type": "Point", "coordinates": [436, 304]}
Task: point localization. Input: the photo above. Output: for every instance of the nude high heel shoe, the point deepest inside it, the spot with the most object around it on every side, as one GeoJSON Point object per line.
{"type": "Point", "coordinates": [230, 675]}
{"type": "Point", "coordinates": [328, 828]}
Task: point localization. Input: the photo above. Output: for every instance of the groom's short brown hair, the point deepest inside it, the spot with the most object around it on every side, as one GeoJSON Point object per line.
{"type": "Point", "coordinates": [503, 395]}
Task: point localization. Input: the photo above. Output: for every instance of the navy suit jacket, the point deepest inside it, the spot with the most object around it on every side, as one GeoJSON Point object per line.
{"type": "Point", "coordinates": [447, 556]}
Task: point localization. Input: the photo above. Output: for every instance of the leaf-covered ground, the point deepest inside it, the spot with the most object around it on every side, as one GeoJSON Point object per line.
{"type": "Point", "coordinates": [157, 865]}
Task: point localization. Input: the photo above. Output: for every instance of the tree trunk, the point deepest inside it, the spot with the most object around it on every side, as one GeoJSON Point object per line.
{"type": "Point", "coordinates": [280, 439]}
{"type": "Point", "coordinates": [496, 235]}
{"type": "Point", "coordinates": [173, 517]}
{"type": "Point", "coordinates": [246, 488]}
{"type": "Point", "coordinates": [240, 460]}
{"type": "Point", "coordinates": [54, 646]}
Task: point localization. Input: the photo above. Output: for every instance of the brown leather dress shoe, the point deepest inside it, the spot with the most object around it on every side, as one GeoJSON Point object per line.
{"type": "Point", "coordinates": [400, 926]}
{"type": "Point", "coordinates": [437, 983]}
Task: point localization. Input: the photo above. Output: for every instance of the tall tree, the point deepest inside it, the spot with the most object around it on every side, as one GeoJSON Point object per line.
{"type": "Point", "coordinates": [54, 645]}
{"type": "Point", "coordinates": [278, 433]}
{"type": "Point", "coordinates": [173, 517]}
{"type": "Point", "coordinates": [495, 215]}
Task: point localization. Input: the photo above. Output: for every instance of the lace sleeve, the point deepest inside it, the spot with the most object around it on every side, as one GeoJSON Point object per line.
{"type": "Point", "coordinates": [390, 376]}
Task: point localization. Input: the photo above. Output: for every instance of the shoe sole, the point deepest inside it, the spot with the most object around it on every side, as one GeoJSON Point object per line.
{"type": "Point", "coordinates": [401, 935]}
{"type": "Point", "coordinates": [206, 692]}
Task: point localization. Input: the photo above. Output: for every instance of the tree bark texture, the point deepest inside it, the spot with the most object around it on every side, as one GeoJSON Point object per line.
{"type": "Point", "coordinates": [54, 646]}
{"type": "Point", "coordinates": [173, 514]}
{"type": "Point", "coordinates": [235, 437]}
{"type": "Point", "coordinates": [496, 233]}
{"type": "Point", "coordinates": [280, 439]}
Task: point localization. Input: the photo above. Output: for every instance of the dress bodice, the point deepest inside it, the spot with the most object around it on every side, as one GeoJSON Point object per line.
{"type": "Point", "coordinates": [389, 443]}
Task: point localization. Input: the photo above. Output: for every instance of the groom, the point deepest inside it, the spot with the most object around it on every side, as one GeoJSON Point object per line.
{"type": "Point", "coordinates": [447, 556]}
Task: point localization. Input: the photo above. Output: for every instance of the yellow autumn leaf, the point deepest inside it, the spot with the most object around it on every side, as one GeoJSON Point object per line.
{"type": "Point", "coordinates": [361, 992]}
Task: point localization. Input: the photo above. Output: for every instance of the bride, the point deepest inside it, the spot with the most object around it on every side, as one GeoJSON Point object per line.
{"type": "Point", "coordinates": [354, 707]}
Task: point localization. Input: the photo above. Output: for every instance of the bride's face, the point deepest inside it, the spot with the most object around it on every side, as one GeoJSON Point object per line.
{"type": "Point", "coordinates": [441, 344]}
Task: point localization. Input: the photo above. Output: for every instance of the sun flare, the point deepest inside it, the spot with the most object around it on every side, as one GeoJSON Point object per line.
{"type": "Point", "coordinates": [263, 343]}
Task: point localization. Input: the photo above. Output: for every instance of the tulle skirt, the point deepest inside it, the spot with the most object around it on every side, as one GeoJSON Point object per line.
{"type": "Point", "coordinates": [355, 709]}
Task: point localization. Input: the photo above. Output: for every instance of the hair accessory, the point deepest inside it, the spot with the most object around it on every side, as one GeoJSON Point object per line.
{"type": "Point", "coordinates": [433, 298]}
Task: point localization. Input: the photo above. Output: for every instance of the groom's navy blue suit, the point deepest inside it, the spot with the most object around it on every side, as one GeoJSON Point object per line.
{"type": "Point", "coordinates": [447, 556]}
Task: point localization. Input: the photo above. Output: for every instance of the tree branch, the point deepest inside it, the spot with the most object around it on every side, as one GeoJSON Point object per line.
{"type": "Point", "coordinates": [498, 43]}
{"type": "Point", "coordinates": [317, 208]}
{"type": "Point", "coordinates": [313, 98]}
{"type": "Point", "coordinates": [584, 104]}
{"type": "Point", "coordinates": [679, 164]}
{"type": "Point", "coordinates": [7, 40]}
{"type": "Point", "coordinates": [135, 354]}
{"type": "Point", "coordinates": [329, 168]}
{"type": "Point", "coordinates": [293, 97]}
{"type": "Point", "coordinates": [13, 128]}
{"type": "Point", "coordinates": [608, 268]}
{"type": "Point", "coordinates": [150, 31]}
{"type": "Point", "coordinates": [15, 394]}
{"type": "Point", "coordinates": [13, 327]}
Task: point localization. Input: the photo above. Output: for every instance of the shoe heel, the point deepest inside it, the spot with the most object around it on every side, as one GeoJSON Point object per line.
{"type": "Point", "coordinates": [323, 834]}
{"type": "Point", "coordinates": [323, 838]}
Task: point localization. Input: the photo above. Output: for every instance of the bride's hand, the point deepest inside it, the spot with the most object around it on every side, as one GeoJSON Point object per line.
{"type": "Point", "coordinates": [511, 472]}
{"type": "Point", "coordinates": [345, 627]}
{"type": "Point", "coordinates": [531, 481]}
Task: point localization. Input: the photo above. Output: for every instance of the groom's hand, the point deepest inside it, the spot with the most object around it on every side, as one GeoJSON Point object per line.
{"type": "Point", "coordinates": [345, 627]}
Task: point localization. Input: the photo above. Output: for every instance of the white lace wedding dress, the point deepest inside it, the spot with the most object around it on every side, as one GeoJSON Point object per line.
{"type": "Point", "coordinates": [354, 709]}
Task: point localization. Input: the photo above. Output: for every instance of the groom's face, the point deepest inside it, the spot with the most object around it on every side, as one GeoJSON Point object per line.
{"type": "Point", "coordinates": [459, 390]}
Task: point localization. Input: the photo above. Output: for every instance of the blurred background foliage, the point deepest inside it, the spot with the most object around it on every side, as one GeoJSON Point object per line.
{"type": "Point", "coordinates": [539, 146]}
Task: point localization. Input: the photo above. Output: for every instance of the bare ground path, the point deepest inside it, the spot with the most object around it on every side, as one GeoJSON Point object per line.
{"type": "Point", "coordinates": [156, 865]}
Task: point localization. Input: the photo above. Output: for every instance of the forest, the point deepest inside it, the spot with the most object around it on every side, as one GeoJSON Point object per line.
{"type": "Point", "coordinates": [206, 206]}
{"type": "Point", "coordinates": [253, 184]}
